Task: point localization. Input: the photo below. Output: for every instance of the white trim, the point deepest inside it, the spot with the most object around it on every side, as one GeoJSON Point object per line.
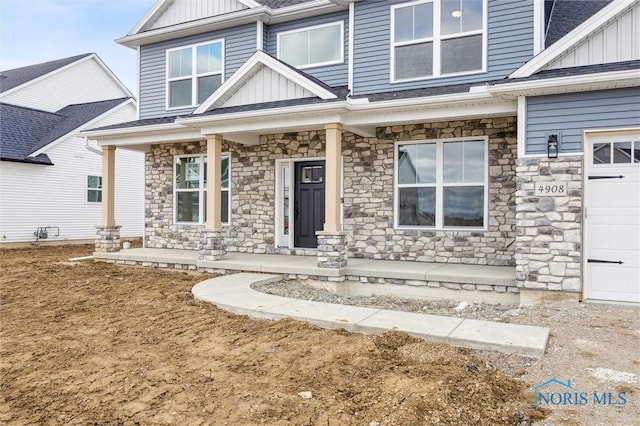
{"type": "Point", "coordinates": [340, 60]}
{"type": "Point", "coordinates": [352, 18]}
{"type": "Point", "coordinates": [522, 126]}
{"type": "Point", "coordinates": [200, 190]}
{"type": "Point", "coordinates": [249, 3]}
{"type": "Point", "coordinates": [138, 79]}
{"type": "Point", "coordinates": [246, 71]}
{"type": "Point", "coordinates": [194, 72]}
{"type": "Point", "coordinates": [538, 26]}
{"type": "Point", "coordinates": [147, 17]}
{"type": "Point", "coordinates": [259, 35]}
{"type": "Point", "coordinates": [572, 38]}
{"type": "Point", "coordinates": [87, 189]}
{"type": "Point", "coordinates": [439, 185]}
{"type": "Point", "coordinates": [436, 41]}
{"type": "Point", "coordinates": [125, 91]}
{"type": "Point", "coordinates": [282, 240]}
{"type": "Point", "coordinates": [79, 128]}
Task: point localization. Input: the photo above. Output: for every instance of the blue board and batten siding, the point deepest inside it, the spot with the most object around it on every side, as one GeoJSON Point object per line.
{"type": "Point", "coordinates": [571, 114]}
{"type": "Point", "coordinates": [509, 45]}
{"type": "Point", "coordinates": [240, 44]}
{"type": "Point", "coordinates": [332, 75]}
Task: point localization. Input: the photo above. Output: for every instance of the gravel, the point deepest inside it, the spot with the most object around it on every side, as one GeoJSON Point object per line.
{"type": "Point", "coordinates": [596, 346]}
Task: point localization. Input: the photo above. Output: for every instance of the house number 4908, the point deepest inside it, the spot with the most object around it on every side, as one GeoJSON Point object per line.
{"type": "Point", "coordinates": [550, 189]}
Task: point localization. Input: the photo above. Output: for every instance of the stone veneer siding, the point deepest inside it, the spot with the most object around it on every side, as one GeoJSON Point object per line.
{"type": "Point", "coordinates": [549, 235]}
{"type": "Point", "coordinates": [368, 194]}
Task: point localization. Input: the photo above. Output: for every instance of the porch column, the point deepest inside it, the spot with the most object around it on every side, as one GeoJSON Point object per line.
{"type": "Point", "coordinates": [332, 247]}
{"type": "Point", "coordinates": [212, 245]}
{"type": "Point", "coordinates": [107, 232]}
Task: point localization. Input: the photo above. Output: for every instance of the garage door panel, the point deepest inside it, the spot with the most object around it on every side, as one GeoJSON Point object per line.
{"type": "Point", "coordinates": [625, 194]}
{"type": "Point", "coordinates": [629, 257]}
{"type": "Point", "coordinates": [614, 237]}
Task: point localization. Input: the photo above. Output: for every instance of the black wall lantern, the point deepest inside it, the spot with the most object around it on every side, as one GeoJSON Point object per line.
{"type": "Point", "coordinates": [552, 145]}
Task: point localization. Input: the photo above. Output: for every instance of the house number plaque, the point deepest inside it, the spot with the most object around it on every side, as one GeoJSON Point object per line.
{"type": "Point", "coordinates": [551, 189]}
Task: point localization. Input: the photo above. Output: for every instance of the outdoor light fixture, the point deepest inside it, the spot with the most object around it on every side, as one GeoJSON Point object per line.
{"type": "Point", "coordinates": [456, 13]}
{"type": "Point", "coordinates": [552, 145]}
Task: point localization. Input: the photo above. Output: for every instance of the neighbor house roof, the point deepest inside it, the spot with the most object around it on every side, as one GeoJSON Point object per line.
{"type": "Point", "coordinates": [24, 131]}
{"type": "Point", "coordinates": [19, 76]}
{"type": "Point", "coordinates": [566, 15]}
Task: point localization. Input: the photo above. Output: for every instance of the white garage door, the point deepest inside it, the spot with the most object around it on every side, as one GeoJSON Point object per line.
{"type": "Point", "coordinates": [613, 218]}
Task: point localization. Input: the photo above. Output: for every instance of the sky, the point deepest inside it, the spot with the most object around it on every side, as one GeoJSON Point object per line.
{"type": "Point", "coordinates": [35, 31]}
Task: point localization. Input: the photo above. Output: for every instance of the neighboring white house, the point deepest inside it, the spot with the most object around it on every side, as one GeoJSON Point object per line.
{"type": "Point", "coordinates": [50, 178]}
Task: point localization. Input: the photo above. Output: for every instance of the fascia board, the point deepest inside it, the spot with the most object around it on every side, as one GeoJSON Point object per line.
{"type": "Point", "coordinates": [246, 71]}
{"type": "Point", "coordinates": [129, 131]}
{"type": "Point", "coordinates": [576, 83]}
{"type": "Point", "coordinates": [80, 128]}
{"type": "Point", "coordinates": [150, 14]}
{"type": "Point", "coordinates": [572, 38]}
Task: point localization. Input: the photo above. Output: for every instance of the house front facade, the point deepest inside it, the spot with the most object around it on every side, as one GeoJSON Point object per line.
{"type": "Point", "coordinates": [439, 131]}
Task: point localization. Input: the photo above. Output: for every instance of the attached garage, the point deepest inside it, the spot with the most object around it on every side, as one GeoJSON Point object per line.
{"type": "Point", "coordinates": [612, 216]}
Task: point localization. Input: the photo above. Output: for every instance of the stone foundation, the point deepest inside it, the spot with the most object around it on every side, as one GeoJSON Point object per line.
{"type": "Point", "coordinates": [548, 242]}
{"type": "Point", "coordinates": [107, 239]}
{"type": "Point", "coordinates": [332, 249]}
{"type": "Point", "coordinates": [212, 245]}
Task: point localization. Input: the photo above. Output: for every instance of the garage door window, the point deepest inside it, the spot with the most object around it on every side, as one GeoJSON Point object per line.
{"type": "Point", "coordinates": [616, 152]}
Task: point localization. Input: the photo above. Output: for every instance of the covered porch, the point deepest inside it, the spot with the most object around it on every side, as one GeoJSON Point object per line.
{"type": "Point", "coordinates": [418, 280]}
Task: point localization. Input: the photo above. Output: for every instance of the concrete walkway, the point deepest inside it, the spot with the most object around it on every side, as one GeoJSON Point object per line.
{"type": "Point", "coordinates": [233, 293]}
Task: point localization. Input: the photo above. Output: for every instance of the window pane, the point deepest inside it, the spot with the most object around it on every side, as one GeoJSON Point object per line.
{"type": "Point", "coordinates": [417, 163]}
{"type": "Point", "coordinates": [414, 61]}
{"type": "Point", "coordinates": [94, 196]}
{"type": "Point", "coordinates": [187, 172]}
{"type": "Point", "coordinates": [601, 153]}
{"type": "Point", "coordinates": [285, 204]}
{"type": "Point", "coordinates": [423, 21]}
{"type": "Point", "coordinates": [187, 207]}
{"type": "Point", "coordinates": [208, 85]}
{"type": "Point", "coordinates": [180, 63]}
{"type": "Point", "coordinates": [417, 207]}
{"type": "Point", "coordinates": [209, 58]}
{"type": "Point", "coordinates": [462, 54]}
{"type": "Point", "coordinates": [460, 16]}
{"type": "Point", "coordinates": [325, 44]}
{"type": "Point", "coordinates": [464, 161]}
{"type": "Point", "coordinates": [224, 207]}
{"type": "Point", "coordinates": [294, 48]}
{"type": "Point", "coordinates": [225, 172]}
{"type": "Point", "coordinates": [179, 93]}
{"type": "Point", "coordinates": [636, 150]}
{"type": "Point", "coordinates": [622, 152]}
{"type": "Point", "coordinates": [94, 182]}
{"type": "Point", "coordinates": [403, 24]}
{"type": "Point", "coordinates": [464, 206]}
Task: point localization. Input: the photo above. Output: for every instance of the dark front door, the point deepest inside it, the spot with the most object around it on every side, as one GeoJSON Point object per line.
{"type": "Point", "coordinates": [309, 203]}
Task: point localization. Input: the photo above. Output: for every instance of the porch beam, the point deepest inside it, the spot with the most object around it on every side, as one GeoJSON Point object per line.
{"type": "Point", "coordinates": [108, 217]}
{"type": "Point", "coordinates": [214, 182]}
{"type": "Point", "coordinates": [333, 182]}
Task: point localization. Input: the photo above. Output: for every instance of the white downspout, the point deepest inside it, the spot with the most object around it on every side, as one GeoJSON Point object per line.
{"type": "Point", "coordinates": [90, 148]}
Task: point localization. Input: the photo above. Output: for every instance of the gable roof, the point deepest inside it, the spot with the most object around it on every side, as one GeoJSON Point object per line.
{"type": "Point", "coordinates": [308, 86]}
{"type": "Point", "coordinates": [573, 37]}
{"type": "Point", "coordinates": [566, 15]}
{"type": "Point", "coordinates": [24, 131]}
{"type": "Point", "coordinates": [19, 76]}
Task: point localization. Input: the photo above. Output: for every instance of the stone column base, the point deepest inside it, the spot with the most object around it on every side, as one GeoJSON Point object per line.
{"type": "Point", "coordinates": [108, 238]}
{"type": "Point", "coordinates": [212, 245]}
{"type": "Point", "coordinates": [332, 249]}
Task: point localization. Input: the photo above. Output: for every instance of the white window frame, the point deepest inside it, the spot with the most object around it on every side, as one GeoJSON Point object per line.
{"type": "Point", "coordinates": [315, 27]}
{"type": "Point", "coordinates": [440, 185]}
{"type": "Point", "coordinates": [436, 39]}
{"type": "Point", "coordinates": [194, 72]}
{"type": "Point", "coordinates": [87, 189]}
{"type": "Point", "coordinates": [201, 190]}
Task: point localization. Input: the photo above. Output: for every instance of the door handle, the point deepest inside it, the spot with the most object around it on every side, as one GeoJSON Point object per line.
{"type": "Point", "coordinates": [619, 262]}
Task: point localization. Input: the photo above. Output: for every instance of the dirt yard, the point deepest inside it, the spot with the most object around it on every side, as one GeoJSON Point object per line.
{"type": "Point", "coordinates": [91, 343]}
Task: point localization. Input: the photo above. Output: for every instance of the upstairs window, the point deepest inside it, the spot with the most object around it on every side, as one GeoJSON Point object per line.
{"type": "Point", "coordinates": [194, 73]}
{"type": "Point", "coordinates": [437, 38]}
{"type": "Point", "coordinates": [312, 46]}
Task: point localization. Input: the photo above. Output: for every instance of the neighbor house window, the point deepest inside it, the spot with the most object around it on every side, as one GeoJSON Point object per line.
{"type": "Point", "coordinates": [312, 46]}
{"type": "Point", "coordinates": [94, 189]}
{"type": "Point", "coordinates": [442, 184]}
{"type": "Point", "coordinates": [190, 190]}
{"type": "Point", "coordinates": [437, 38]}
{"type": "Point", "coordinates": [194, 73]}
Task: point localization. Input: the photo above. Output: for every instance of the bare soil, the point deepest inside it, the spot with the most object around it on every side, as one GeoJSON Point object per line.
{"type": "Point", "coordinates": [92, 343]}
